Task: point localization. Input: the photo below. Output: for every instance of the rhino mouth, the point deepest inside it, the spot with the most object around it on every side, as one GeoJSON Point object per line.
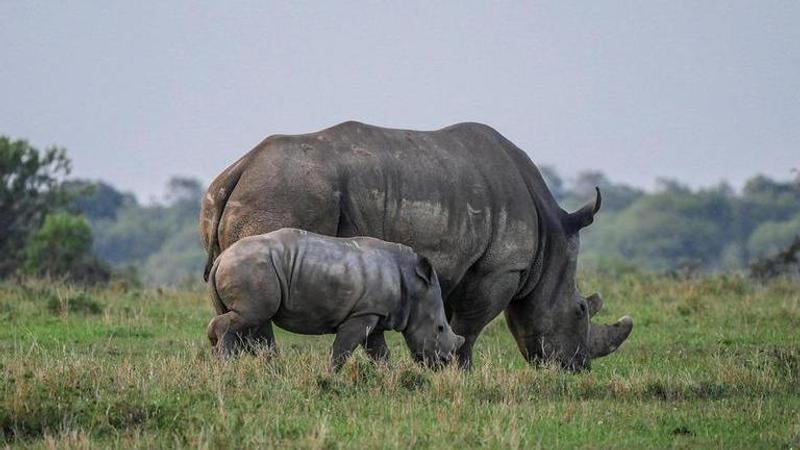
{"type": "Point", "coordinates": [437, 362]}
{"type": "Point", "coordinates": [543, 355]}
{"type": "Point", "coordinates": [576, 364]}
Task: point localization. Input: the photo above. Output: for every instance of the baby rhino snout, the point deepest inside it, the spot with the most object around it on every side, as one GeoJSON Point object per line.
{"type": "Point", "coordinates": [459, 342]}
{"type": "Point", "coordinates": [445, 352]}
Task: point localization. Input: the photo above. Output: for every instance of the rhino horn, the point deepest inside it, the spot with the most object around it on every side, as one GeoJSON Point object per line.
{"type": "Point", "coordinates": [583, 217]}
{"type": "Point", "coordinates": [604, 339]}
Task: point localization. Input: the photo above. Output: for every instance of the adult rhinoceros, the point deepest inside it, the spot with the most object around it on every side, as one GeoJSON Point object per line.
{"type": "Point", "coordinates": [463, 196]}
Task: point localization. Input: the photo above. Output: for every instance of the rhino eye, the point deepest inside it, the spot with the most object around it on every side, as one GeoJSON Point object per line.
{"type": "Point", "coordinates": [440, 328]}
{"type": "Point", "coordinates": [581, 310]}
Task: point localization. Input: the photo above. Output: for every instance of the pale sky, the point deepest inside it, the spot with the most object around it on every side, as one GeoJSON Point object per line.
{"type": "Point", "coordinates": [139, 91]}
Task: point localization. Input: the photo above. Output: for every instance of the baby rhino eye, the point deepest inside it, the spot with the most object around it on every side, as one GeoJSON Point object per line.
{"type": "Point", "coordinates": [440, 328]}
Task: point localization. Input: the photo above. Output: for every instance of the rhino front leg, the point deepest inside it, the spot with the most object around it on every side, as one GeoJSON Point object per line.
{"type": "Point", "coordinates": [376, 347]}
{"type": "Point", "coordinates": [487, 299]}
{"type": "Point", "coordinates": [464, 353]}
{"type": "Point", "coordinates": [350, 334]}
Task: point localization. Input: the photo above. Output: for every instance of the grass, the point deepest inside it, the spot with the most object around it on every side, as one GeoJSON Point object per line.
{"type": "Point", "coordinates": [711, 363]}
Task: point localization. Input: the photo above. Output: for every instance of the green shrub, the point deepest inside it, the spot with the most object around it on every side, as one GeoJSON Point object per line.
{"type": "Point", "coordinates": [62, 248]}
{"type": "Point", "coordinates": [30, 188]}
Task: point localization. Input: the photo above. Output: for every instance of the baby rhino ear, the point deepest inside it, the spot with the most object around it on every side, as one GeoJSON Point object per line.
{"type": "Point", "coordinates": [424, 269]}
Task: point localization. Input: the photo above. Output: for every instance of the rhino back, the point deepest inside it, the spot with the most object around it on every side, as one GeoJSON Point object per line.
{"type": "Point", "coordinates": [325, 280]}
{"type": "Point", "coordinates": [455, 195]}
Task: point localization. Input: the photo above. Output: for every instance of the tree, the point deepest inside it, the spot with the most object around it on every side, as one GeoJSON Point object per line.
{"type": "Point", "coordinates": [160, 239]}
{"type": "Point", "coordinates": [30, 187]}
{"type": "Point", "coordinates": [136, 233]}
{"type": "Point", "coordinates": [671, 186]}
{"type": "Point", "coordinates": [181, 257]}
{"type": "Point", "coordinates": [784, 263]}
{"type": "Point", "coordinates": [183, 189]}
{"type": "Point", "coordinates": [62, 247]}
{"type": "Point", "coordinates": [668, 230]}
{"type": "Point", "coordinates": [765, 199]}
{"type": "Point", "coordinates": [772, 237]}
{"type": "Point", "coordinates": [97, 200]}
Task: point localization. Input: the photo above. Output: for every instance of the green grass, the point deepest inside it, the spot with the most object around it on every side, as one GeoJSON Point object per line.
{"type": "Point", "coordinates": [711, 363]}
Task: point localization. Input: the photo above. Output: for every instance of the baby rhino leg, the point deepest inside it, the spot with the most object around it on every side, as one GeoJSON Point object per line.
{"type": "Point", "coordinates": [350, 334]}
{"type": "Point", "coordinates": [231, 333]}
{"type": "Point", "coordinates": [376, 347]}
{"type": "Point", "coordinates": [251, 295]}
{"type": "Point", "coordinates": [261, 338]}
{"type": "Point", "coordinates": [225, 334]}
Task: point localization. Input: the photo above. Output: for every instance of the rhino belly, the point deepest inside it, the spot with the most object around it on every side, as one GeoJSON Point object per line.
{"type": "Point", "coordinates": [313, 308]}
{"type": "Point", "coordinates": [303, 324]}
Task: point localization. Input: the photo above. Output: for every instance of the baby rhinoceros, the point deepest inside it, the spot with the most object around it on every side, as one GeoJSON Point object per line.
{"type": "Point", "coordinates": [312, 284]}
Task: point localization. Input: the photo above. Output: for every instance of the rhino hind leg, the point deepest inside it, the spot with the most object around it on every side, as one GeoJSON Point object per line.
{"type": "Point", "coordinates": [222, 338]}
{"type": "Point", "coordinates": [249, 297]}
{"type": "Point", "coordinates": [376, 348]}
{"type": "Point", "coordinates": [230, 334]}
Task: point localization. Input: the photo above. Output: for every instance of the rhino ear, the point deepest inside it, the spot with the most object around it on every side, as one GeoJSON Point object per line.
{"type": "Point", "coordinates": [424, 269]}
{"type": "Point", "coordinates": [595, 303]}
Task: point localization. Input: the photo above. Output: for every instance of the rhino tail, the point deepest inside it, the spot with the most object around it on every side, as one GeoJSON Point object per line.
{"type": "Point", "coordinates": [216, 300]}
{"type": "Point", "coordinates": [223, 194]}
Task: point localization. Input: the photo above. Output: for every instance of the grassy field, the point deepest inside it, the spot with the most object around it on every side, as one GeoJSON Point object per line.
{"type": "Point", "coordinates": [711, 363]}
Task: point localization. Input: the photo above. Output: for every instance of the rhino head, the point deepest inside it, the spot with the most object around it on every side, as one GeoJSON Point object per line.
{"type": "Point", "coordinates": [427, 333]}
{"type": "Point", "coordinates": [553, 323]}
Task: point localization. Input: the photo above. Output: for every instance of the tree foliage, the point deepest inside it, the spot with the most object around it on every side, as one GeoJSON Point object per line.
{"type": "Point", "coordinates": [62, 247]}
{"type": "Point", "coordinates": [30, 188]}
{"type": "Point", "coordinates": [786, 262]}
{"type": "Point", "coordinates": [159, 241]}
{"type": "Point", "coordinates": [771, 237]}
{"type": "Point", "coordinates": [97, 200]}
{"type": "Point", "coordinates": [710, 229]}
{"type": "Point", "coordinates": [672, 228]}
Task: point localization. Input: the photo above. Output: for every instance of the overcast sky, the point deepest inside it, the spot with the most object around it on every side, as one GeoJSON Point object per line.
{"type": "Point", "coordinates": [138, 91]}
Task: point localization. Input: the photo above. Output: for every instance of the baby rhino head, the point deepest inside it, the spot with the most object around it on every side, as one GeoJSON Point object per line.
{"type": "Point", "coordinates": [427, 333]}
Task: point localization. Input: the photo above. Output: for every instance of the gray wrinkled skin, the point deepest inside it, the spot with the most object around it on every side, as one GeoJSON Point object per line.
{"type": "Point", "coordinates": [463, 196]}
{"type": "Point", "coordinates": [312, 284]}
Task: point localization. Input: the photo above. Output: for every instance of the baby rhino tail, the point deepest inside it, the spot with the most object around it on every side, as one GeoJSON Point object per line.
{"type": "Point", "coordinates": [219, 307]}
